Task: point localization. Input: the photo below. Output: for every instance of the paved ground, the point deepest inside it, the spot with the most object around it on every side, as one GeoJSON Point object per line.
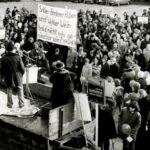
{"type": "Point", "coordinates": [32, 6]}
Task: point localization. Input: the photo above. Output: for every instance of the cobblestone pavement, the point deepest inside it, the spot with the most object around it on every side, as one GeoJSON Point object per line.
{"type": "Point", "coordinates": [32, 6]}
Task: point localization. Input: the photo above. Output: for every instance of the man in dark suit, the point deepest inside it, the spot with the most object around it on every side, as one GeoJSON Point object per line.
{"type": "Point", "coordinates": [105, 71]}
{"type": "Point", "coordinates": [12, 71]}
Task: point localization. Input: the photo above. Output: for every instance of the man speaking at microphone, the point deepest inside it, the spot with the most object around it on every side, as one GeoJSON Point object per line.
{"type": "Point", "coordinates": [12, 71]}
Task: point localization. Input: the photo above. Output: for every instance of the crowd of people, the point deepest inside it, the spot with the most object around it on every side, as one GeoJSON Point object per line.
{"type": "Point", "coordinates": [117, 49]}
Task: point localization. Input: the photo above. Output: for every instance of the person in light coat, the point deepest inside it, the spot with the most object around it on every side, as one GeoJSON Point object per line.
{"type": "Point", "coordinates": [86, 74]}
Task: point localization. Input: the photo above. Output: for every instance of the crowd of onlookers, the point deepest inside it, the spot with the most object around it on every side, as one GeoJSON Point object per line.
{"type": "Point", "coordinates": [108, 47]}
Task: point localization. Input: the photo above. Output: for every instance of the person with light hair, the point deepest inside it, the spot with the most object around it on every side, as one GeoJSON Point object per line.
{"type": "Point", "coordinates": [85, 75]}
{"type": "Point", "coordinates": [2, 50]}
{"type": "Point", "coordinates": [146, 54]}
{"type": "Point", "coordinates": [147, 78]}
{"type": "Point", "coordinates": [141, 80]}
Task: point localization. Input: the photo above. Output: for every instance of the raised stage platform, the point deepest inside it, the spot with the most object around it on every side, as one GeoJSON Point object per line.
{"type": "Point", "coordinates": [22, 133]}
{"type": "Point", "coordinates": [30, 133]}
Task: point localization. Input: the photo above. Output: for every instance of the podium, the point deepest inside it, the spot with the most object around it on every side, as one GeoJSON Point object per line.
{"type": "Point", "coordinates": [31, 75]}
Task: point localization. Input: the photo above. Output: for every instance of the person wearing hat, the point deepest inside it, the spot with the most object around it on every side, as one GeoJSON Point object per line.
{"type": "Point", "coordinates": [62, 86]}
{"type": "Point", "coordinates": [12, 70]}
{"type": "Point", "coordinates": [129, 115]}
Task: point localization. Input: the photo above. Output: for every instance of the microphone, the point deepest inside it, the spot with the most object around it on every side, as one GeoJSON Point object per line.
{"type": "Point", "coordinates": [45, 52]}
{"type": "Point", "coordinates": [26, 52]}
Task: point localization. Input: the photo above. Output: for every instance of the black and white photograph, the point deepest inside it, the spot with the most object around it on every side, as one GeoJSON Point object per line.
{"type": "Point", "coordinates": [74, 74]}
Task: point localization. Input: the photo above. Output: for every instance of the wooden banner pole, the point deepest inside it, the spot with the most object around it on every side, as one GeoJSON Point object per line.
{"type": "Point", "coordinates": [97, 116]}
{"type": "Point", "coordinates": [96, 131]}
{"type": "Point", "coordinates": [61, 110]}
{"type": "Point", "coordinates": [82, 122]}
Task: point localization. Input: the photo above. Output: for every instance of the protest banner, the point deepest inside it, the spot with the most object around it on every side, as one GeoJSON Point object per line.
{"type": "Point", "coordinates": [2, 29]}
{"type": "Point", "coordinates": [57, 25]}
{"type": "Point", "coordinates": [2, 33]}
{"type": "Point", "coordinates": [2, 15]}
{"type": "Point", "coordinates": [142, 19]}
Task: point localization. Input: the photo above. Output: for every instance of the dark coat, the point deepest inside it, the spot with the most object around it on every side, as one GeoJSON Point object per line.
{"type": "Point", "coordinates": [127, 76]}
{"type": "Point", "coordinates": [134, 120]}
{"type": "Point", "coordinates": [62, 89]}
{"type": "Point", "coordinates": [142, 83]}
{"type": "Point", "coordinates": [107, 129]}
{"type": "Point", "coordinates": [28, 46]}
{"type": "Point", "coordinates": [56, 58]}
{"type": "Point", "coordinates": [144, 105]}
{"type": "Point", "coordinates": [114, 71]}
{"type": "Point", "coordinates": [12, 69]}
{"type": "Point", "coordinates": [105, 71]}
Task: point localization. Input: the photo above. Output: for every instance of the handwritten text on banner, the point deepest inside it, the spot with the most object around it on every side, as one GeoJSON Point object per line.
{"type": "Point", "coordinates": [57, 25]}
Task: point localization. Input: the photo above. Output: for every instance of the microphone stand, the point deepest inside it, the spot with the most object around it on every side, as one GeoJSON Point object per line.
{"type": "Point", "coordinates": [27, 89]}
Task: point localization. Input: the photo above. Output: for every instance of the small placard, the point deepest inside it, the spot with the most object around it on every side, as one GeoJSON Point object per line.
{"type": "Point", "coordinates": [96, 90]}
{"type": "Point", "coordinates": [143, 20]}
{"type": "Point", "coordinates": [109, 88]}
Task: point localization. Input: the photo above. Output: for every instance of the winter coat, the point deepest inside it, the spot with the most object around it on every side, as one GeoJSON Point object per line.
{"type": "Point", "coordinates": [62, 89]}
{"type": "Point", "coordinates": [105, 71]}
{"type": "Point", "coordinates": [107, 129]}
{"type": "Point", "coordinates": [12, 69]}
{"type": "Point", "coordinates": [132, 119]}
